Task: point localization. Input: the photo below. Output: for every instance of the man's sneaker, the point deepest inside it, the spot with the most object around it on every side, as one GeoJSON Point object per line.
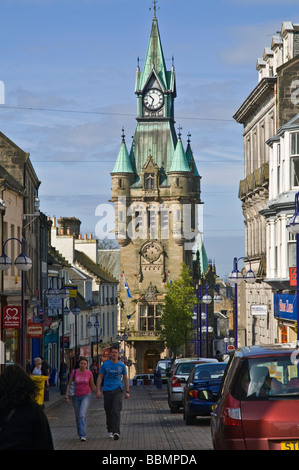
{"type": "Point", "coordinates": [83, 438]}
{"type": "Point", "coordinates": [110, 435]}
{"type": "Point", "coordinates": [116, 436]}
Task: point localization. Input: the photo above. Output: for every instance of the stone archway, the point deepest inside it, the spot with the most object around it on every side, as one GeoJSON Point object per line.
{"type": "Point", "coordinates": [150, 359]}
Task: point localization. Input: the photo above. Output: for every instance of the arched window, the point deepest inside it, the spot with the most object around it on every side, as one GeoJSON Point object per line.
{"type": "Point", "coordinates": [149, 180]}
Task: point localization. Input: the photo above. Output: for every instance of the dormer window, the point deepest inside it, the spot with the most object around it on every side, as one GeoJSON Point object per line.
{"type": "Point", "coordinates": [149, 180]}
{"type": "Point", "coordinates": [150, 176]}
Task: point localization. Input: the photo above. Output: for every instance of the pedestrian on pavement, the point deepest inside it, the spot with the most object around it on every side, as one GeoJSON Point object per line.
{"type": "Point", "coordinates": [23, 423]}
{"type": "Point", "coordinates": [41, 368]}
{"type": "Point", "coordinates": [114, 373]}
{"type": "Point", "coordinates": [81, 400]}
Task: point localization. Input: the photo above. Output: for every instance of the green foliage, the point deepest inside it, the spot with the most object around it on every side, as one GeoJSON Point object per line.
{"type": "Point", "coordinates": [176, 320]}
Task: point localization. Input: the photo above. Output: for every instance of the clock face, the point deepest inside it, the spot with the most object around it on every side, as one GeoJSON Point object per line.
{"type": "Point", "coordinates": [151, 251]}
{"type": "Point", "coordinates": [153, 99]}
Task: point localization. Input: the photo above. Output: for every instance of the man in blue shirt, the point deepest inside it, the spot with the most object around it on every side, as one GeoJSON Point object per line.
{"type": "Point", "coordinates": [114, 373]}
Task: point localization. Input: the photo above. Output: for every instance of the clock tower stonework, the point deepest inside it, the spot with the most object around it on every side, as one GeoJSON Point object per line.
{"type": "Point", "coordinates": [156, 192]}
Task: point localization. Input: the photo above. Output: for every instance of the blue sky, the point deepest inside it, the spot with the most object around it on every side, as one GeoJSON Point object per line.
{"type": "Point", "coordinates": [69, 68]}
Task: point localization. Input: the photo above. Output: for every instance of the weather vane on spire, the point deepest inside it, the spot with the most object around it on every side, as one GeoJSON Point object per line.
{"type": "Point", "coordinates": [155, 8]}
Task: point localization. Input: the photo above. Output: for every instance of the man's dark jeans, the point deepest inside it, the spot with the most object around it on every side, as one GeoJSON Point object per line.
{"type": "Point", "coordinates": [113, 407]}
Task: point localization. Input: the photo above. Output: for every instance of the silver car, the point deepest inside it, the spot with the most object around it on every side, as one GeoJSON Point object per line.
{"type": "Point", "coordinates": [177, 378]}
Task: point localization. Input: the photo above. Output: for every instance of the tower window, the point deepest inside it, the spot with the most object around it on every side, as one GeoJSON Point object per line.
{"type": "Point", "coordinates": [120, 183]}
{"type": "Point", "coordinates": [149, 179]}
{"type": "Point", "coordinates": [178, 181]}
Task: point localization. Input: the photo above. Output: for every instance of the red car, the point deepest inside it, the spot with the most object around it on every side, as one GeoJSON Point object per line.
{"type": "Point", "coordinates": [258, 402]}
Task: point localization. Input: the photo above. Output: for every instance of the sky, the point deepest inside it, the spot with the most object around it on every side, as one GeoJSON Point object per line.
{"type": "Point", "coordinates": [68, 68]}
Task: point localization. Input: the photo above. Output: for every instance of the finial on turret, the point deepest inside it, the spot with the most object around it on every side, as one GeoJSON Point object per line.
{"type": "Point", "coordinates": [155, 8]}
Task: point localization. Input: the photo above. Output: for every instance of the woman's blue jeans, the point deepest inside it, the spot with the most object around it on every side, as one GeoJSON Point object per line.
{"type": "Point", "coordinates": [81, 405]}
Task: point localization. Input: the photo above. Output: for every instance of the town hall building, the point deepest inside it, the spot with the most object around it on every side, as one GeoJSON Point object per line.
{"type": "Point", "coordinates": [156, 192]}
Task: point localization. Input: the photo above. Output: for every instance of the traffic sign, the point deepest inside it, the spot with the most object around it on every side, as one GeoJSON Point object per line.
{"type": "Point", "coordinates": [230, 347]}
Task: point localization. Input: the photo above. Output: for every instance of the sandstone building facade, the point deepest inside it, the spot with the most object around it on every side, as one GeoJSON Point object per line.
{"type": "Point", "coordinates": [156, 192]}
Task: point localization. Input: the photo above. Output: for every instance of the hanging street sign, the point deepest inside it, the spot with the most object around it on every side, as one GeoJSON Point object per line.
{"type": "Point", "coordinates": [12, 317]}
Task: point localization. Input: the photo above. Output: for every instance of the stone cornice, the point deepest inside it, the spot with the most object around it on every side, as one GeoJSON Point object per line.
{"type": "Point", "coordinates": [258, 95]}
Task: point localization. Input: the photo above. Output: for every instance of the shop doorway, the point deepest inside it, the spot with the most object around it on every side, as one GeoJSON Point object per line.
{"type": "Point", "coordinates": [151, 357]}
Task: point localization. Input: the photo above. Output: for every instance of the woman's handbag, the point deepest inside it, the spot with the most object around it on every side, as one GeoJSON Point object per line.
{"type": "Point", "coordinates": [72, 386]}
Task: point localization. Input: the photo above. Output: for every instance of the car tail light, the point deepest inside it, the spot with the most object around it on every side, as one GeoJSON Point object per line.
{"type": "Point", "coordinates": [232, 412]}
{"type": "Point", "coordinates": [193, 393]}
{"type": "Point", "coordinates": [175, 382]}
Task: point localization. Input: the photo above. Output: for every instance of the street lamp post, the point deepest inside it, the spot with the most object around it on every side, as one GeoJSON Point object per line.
{"type": "Point", "coordinates": [96, 325]}
{"type": "Point", "coordinates": [197, 319]}
{"type": "Point", "coordinates": [61, 293]}
{"type": "Point", "coordinates": [124, 338]}
{"type": "Point", "coordinates": [75, 311]}
{"type": "Point", "coordinates": [207, 299]}
{"type": "Point", "coordinates": [237, 277]}
{"type": "Point", "coordinates": [293, 227]}
{"type": "Point", "coordinates": [23, 263]}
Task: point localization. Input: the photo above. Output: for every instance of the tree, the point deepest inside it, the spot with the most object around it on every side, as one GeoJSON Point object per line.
{"type": "Point", "coordinates": [176, 319]}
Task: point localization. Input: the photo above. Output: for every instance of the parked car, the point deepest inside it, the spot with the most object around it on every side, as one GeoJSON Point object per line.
{"type": "Point", "coordinates": [177, 378]}
{"type": "Point", "coordinates": [202, 389]}
{"type": "Point", "coordinates": [143, 379]}
{"type": "Point", "coordinates": [258, 404]}
{"type": "Point", "coordinates": [163, 366]}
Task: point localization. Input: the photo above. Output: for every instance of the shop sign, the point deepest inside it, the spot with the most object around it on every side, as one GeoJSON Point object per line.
{"type": "Point", "coordinates": [285, 306]}
{"type": "Point", "coordinates": [259, 310]}
{"type": "Point", "coordinates": [72, 290]}
{"type": "Point", "coordinates": [293, 276]}
{"type": "Point", "coordinates": [12, 317]}
{"type": "Point", "coordinates": [35, 330]}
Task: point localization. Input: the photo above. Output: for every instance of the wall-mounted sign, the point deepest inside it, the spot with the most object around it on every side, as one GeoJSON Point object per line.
{"type": "Point", "coordinates": [259, 310]}
{"type": "Point", "coordinates": [293, 276]}
{"type": "Point", "coordinates": [285, 306]}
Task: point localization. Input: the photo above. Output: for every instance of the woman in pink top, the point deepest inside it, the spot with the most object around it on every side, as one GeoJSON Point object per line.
{"type": "Point", "coordinates": [83, 385]}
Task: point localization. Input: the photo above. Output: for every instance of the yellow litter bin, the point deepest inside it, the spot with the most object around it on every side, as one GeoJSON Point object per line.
{"type": "Point", "coordinates": [40, 380]}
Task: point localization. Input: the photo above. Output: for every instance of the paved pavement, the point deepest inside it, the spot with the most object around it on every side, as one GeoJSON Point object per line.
{"type": "Point", "coordinates": [146, 424]}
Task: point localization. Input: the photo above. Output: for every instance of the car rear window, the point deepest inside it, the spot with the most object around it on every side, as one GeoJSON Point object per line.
{"type": "Point", "coordinates": [207, 372]}
{"type": "Point", "coordinates": [163, 365]}
{"type": "Point", "coordinates": [261, 378]}
{"type": "Point", "coordinates": [184, 369]}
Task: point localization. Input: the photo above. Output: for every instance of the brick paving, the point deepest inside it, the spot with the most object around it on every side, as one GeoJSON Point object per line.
{"type": "Point", "coordinates": [146, 424]}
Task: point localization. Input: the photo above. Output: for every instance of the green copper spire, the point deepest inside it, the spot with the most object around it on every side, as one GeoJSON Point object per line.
{"type": "Point", "coordinates": [190, 158]}
{"type": "Point", "coordinates": [179, 161]}
{"type": "Point", "coordinates": [154, 62]}
{"type": "Point", "coordinates": [202, 254]}
{"type": "Point", "coordinates": [123, 162]}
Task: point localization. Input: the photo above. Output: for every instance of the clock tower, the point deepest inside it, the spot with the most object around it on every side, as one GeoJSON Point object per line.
{"type": "Point", "coordinates": [156, 192]}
